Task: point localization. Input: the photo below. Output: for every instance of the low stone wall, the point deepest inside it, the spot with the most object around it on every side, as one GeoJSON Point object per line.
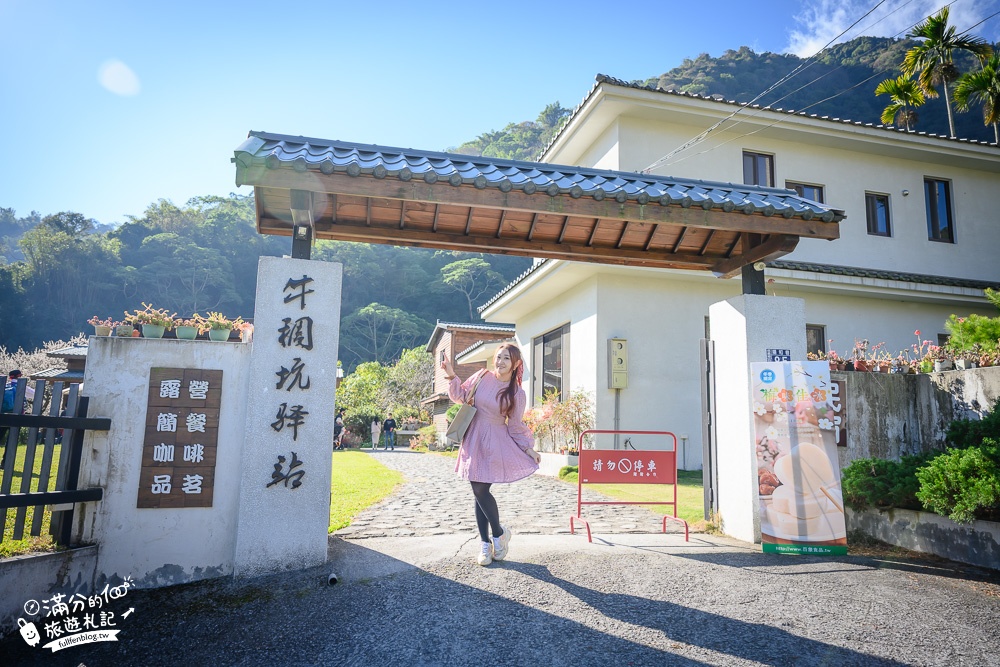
{"type": "Point", "coordinates": [40, 576]}
{"type": "Point", "coordinates": [977, 543]}
{"type": "Point", "coordinates": [892, 415]}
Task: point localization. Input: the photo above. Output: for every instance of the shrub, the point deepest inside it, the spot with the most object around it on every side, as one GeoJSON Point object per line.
{"type": "Point", "coordinates": [569, 473]}
{"type": "Point", "coordinates": [964, 433]}
{"type": "Point", "coordinates": [425, 439]}
{"type": "Point", "coordinates": [452, 411]}
{"type": "Point", "coordinates": [966, 332]}
{"type": "Point", "coordinates": [963, 484]}
{"type": "Point", "coordinates": [880, 483]}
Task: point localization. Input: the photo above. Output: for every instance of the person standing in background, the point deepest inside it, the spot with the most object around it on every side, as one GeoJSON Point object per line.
{"type": "Point", "coordinates": [389, 428]}
{"type": "Point", "coordinates": [376, 431]}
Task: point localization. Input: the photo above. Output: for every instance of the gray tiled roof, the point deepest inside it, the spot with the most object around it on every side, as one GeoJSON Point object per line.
{"type": "Point", "coordinates": [57, 374]}
{"type": "Point", "coordinates": [476, 327]}
{"type": "Point", "coordinates": [479, 343]}
{"type": "Point", "coordinates": [70, 352]}
{"type": "Point", "coordinates": [882, 275]}
{"type": "Point", "coordinates": [496, 297]}
{"type": "Point", "coordinates": [465, 326]}
{"type": "Point", "coordinates": [531, 178]}
{"type": "Point", "coordinates": [603, 78]}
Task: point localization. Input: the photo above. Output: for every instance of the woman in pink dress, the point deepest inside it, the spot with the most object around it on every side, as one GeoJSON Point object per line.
{"type": "Point", "coordinates": [498, 447]}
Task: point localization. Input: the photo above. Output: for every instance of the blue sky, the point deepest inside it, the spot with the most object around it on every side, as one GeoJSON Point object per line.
{"type": "Point", "coordinates": [109, 106]}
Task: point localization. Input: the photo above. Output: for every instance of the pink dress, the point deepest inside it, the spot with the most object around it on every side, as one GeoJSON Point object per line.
{"type": "Point", "coordinates": [494, 449]}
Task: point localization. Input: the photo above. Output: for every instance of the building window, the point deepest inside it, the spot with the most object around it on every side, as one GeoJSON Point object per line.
{"type": "Point", "coordinates": [758, 169]}
{"type": "Point", "coordinates": [937, 196]}
{"type": "Point", "coordinates": [877, 214]}
{"type": "Point", "coordinates": [816, 339]}
{"type": "Point", "coordinates": [550, 364]}
{"type": "Point", "coordinates": [806, 191]}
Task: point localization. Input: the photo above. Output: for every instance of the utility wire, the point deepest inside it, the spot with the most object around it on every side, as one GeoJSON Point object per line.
{"type": "Point", "coordinates": [701, 137]}
{"type": "Point", "coordinates": [782, 120]}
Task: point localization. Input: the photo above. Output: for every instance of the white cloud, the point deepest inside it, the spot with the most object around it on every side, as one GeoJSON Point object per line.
{"type": "Point", "coordinates": [118, 78]}
{"type": "Point", "coordinates": [822, 20]}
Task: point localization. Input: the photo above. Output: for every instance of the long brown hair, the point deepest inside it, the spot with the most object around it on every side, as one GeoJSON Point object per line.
{"type": "Point", "coordinates": [506, 395]}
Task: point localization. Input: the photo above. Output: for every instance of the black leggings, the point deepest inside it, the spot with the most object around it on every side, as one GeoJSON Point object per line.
{"type": "Point", "coordinates": [487, 512]}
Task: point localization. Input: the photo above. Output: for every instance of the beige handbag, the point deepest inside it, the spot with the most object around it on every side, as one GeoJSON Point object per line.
{"type": "Point", "coordinates": [460, 424]}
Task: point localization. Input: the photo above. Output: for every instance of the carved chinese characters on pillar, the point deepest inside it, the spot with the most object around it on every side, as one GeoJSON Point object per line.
{"type": "Point", "coordinates": [295, 335]}
{"type": "Point", "coordinates": [182, 434]}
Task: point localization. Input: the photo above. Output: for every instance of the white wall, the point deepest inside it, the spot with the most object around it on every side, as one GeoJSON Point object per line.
{"type": "Point", "coordinates": [158, 547]}
{"type": "Point", "coordinates": [662, 316]}
{"type": "Point", "coordinates": [845, 175]}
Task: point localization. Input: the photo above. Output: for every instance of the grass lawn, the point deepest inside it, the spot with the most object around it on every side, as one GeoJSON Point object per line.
{"type": "Point", "coordinates": [9, 546]}
{"type": "Point", "coordinates": [690, 498]}
{"type": "Point", "coordinates": [358, 481]}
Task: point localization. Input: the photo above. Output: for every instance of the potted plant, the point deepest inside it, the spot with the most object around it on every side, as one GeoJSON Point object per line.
{"type": "Point", "coordinates": [943, 361]}
{"type": "Point", "coordinates": [154, 321]}
{"type": "Point", "coordinates": [859, 355]}
{"type": "Point", "coordinates": [186, 329]}
{"type": "Point", "coordinates": [879, 360]}
{"type": "Point", "coordinates": [219, 326]}
{"type": "Point", "coordinates": [102, 327]}
{"type": "Point", "coordinates": [968, 358]}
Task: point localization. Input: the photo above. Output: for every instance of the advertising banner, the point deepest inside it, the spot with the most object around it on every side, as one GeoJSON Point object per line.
{"type": "Point", "coordinates": [796, 416]}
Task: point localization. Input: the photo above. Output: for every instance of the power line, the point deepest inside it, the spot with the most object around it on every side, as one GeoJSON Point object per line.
{"type": "Point", "coordinates": [808, 63]}
{"type": "Point", "coordinates": [782, 120]}
{"type": "Point", "coordinates": [701, 137]}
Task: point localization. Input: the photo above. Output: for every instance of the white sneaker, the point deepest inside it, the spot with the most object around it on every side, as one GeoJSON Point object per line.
{"type": "Point", "coordinates": [501, 543]}
{"type": "Point", "coordinates": [485, 556]}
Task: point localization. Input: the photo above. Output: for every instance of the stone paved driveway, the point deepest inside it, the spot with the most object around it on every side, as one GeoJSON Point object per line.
{"type": "Point", "coordinates": [433, 501]}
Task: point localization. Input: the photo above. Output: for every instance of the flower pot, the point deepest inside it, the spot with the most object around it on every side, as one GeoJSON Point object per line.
{"type": "Point", "coordinates": [218, 335]}
{"type": "Point", "coordinates": [124, 330]}
{"type": "Point", "coordinates": [942, 365]}
{"type": "Point", "coordinates": [152, 331]}
{"type": "Point", "coordinates": [962, 364]}
{"type": "Point", "coordinates": [860, 365]}
{"type": "Point", "coordinates": [186, 333]}
{"type": "Point", "coordinates": [100, 330]}
{"type": "Point", "coordinates": [883, 368]}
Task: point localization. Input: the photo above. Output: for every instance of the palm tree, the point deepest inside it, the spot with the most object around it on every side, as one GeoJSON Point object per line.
{"type": "Point", "coordinates": [905, 95]}
{"type": "Point", "coordinates": [932, 60]}
{"type": "Point", "coordinates": [982, 87]}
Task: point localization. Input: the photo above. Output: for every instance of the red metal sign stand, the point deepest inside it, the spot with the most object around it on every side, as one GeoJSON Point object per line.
{"type": "Point", "coordinates": [615, 466]}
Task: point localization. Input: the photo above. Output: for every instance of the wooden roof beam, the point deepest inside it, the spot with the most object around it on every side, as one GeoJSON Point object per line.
{"type": "Point", "coordinates": [444, 193]}
{"type": "Point", "coordinates": [778, 245]}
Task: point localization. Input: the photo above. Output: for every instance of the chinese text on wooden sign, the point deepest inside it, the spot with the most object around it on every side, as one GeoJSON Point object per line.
{"type": "Point", "coordinates": [182, 435]}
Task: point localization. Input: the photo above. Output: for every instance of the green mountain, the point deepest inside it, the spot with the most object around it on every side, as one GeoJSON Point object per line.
{"type": "Point", "coordinates": [840, 82]}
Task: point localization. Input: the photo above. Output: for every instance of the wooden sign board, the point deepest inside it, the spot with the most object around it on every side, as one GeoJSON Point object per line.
{"type": "Point", "coordinates": [181, 438]}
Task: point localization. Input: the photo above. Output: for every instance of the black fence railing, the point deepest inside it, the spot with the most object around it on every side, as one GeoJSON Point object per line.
{"type": "Point", "coordinates": [41, 460]}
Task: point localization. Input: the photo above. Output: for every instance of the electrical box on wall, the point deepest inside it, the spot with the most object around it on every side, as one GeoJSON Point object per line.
{"type": "Point", "coordinates": [617, 363]}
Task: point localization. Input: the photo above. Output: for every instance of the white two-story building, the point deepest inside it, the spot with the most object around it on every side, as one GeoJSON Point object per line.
{"type": "Point", "coordinates": [921, 241]}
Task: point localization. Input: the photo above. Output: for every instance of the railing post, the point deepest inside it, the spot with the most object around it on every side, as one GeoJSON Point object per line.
{"type": "Point", "coordinates": [62, 522]}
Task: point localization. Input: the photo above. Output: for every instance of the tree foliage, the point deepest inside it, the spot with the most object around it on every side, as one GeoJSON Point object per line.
{"type": "Point", "coordinates": [932, 59]}
{"type": "Point", "coordinates": [983, 88]}
{"type": "Point", "coordinates": [905, 96]}
{"type": "Point", "coordinates": [519, 141]}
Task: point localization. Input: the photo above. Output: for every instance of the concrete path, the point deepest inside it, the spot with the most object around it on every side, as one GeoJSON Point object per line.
{"type": "Point", "coordinates": [409, 594]}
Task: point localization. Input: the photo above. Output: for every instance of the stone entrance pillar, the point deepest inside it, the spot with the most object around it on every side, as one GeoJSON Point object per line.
{"type": "Point", "coordinates": [744, 328]}
{"type": "Point", "coordinates": [284, 508]}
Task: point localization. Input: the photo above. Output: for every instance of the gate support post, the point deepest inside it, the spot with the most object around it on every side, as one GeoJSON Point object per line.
{"type": "Point", "coordinates": [744, 328]}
